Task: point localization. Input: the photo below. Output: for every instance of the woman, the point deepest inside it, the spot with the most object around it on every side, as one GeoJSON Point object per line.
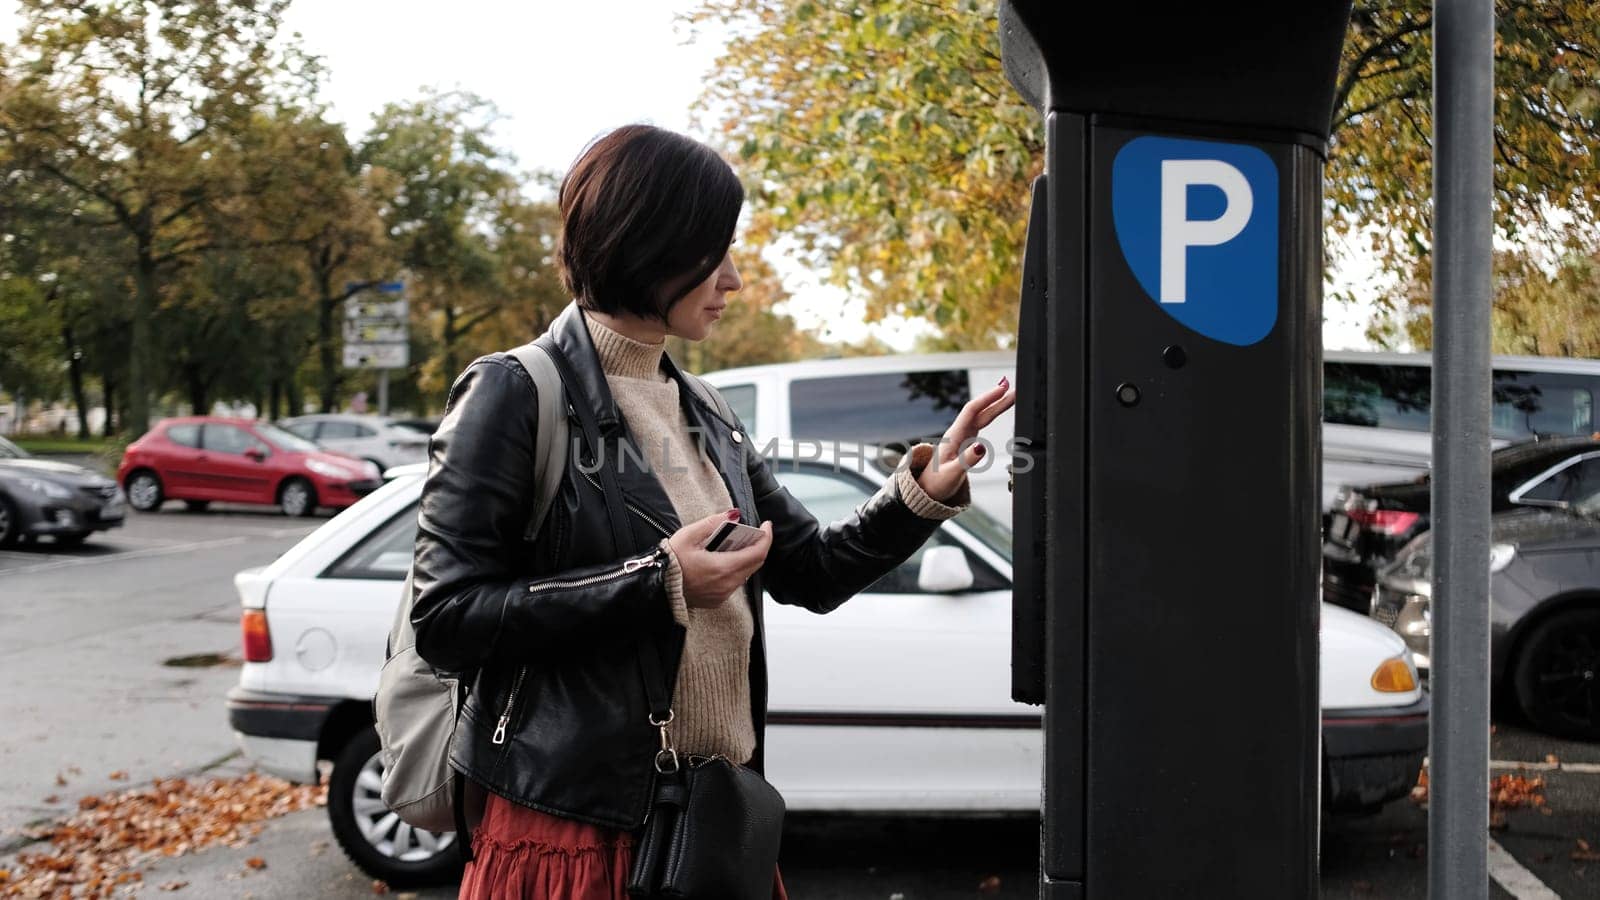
{"type": "Point", "coordinates": [556, 726]}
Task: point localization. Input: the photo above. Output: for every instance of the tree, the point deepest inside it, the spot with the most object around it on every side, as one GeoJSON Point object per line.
{"type": "Point", "coordinates": [129, 103]}
{"type": "Point", "coordinates": [1547, 97]}
{"type": "Point", "coordinates": [885, 141]}
{"type": "Point", "coordinates": [1546, 302]}
{"type": "Point", "coordinates": [882, 137]}
{"type": "Point", "coordinates": [57, 300]}
{"type": "Point", "coordinates": [449, 180]}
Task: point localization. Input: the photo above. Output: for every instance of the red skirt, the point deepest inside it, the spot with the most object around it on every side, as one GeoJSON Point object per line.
{"type": "Point", "coordinates": [521, 852]}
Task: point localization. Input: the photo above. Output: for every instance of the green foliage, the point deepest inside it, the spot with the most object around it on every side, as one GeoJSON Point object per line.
{"type": "Point", "coordinates": [882, 136]}
{"type": "Point", "coordinates": [1547, 100]}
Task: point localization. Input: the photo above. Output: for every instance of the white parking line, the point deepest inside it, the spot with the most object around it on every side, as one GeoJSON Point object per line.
{"type": "Point", "coordinates": [1575, 767]}
{"type": "Point", "coordinates": [1517, 881]}
{"type": "Point", "coordinates": [131, 554]}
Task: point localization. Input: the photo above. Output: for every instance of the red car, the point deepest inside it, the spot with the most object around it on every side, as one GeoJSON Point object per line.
{"type": "Point", "coordinates": [204, 458]}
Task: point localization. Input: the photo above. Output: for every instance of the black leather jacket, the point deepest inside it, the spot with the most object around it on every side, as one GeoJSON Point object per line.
{"type": "Point", "coordinates": [557, 718]}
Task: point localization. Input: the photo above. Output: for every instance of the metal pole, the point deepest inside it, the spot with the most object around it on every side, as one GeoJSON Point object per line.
{"type": "Point", "coordinates": [1463, 202]}
{"type": "Point", "coordinates": [383, 392]}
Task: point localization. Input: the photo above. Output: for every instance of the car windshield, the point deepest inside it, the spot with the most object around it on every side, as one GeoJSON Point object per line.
{"type": "Point", "coordinates": [9, 450]}
{"type": "Point", "coordinates": [994, 533]}
{"type": "Point", "coordinates": [285, 440]}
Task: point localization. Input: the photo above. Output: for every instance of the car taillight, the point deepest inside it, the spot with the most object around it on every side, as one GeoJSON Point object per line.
{"type": "Point", "coordinates": [257, 639]}
{"type": "Point", "coordinates": [1384, 521]}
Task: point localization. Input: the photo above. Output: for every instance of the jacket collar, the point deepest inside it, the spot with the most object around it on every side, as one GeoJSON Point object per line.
{"type": "Point", "coordinates": [571, 334]}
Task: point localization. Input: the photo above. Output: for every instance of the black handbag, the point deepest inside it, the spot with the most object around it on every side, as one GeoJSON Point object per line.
{"type": "Point", "coordinates": [713, 826]}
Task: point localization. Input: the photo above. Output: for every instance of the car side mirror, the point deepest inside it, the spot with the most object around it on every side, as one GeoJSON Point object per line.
{"type": "Point", "coordinates": [944, 570]}
{"type": "Point", "coordinates": [256, 453]}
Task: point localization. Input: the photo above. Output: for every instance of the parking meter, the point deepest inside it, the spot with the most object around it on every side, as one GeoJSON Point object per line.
{"type": "Point", "coordinates": [1170, 367]}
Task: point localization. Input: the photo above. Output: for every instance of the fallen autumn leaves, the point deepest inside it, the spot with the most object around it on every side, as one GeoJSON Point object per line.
{"type": "Point", "coordinates": [112, 835]}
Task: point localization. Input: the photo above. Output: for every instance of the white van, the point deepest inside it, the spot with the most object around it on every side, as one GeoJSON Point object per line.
{"type": "Point", "coordinates": [889, 401]}
{"type": "Point", "coordinates": [1376, 407]}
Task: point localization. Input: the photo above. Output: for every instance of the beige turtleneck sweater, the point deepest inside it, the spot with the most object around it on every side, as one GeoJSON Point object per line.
{"type": "Point", "coordinates": [711, 701]}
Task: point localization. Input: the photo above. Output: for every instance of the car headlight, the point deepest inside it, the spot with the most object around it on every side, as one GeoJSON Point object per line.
{"type": "Point", "coordinates": [47, 488]}
{"type": "Point", "coordinates": [1395, 675]}
{"type": "Point", "coordinates": [1419, 562]}
{"type": "Point", "coordinates": [1501, 555]}
{"type": "Point", "coordinates": [327, 470]}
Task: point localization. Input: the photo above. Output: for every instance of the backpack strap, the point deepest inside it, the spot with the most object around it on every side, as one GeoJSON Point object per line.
{"type": "Point", "coordinates": [550, 441]}
{"type": "Point", "coordinates": [712, 398]}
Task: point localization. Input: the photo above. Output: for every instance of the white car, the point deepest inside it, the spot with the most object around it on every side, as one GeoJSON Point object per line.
{"type": "Point", "coordinates": [898, 701]}
{"type": "Point", "coordinates": [374, 438]}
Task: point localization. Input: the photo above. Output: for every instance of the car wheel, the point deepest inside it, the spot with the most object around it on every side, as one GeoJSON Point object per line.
{"type": "Point", "coordinates": [381, 466]}
{"type": "Point", "coordinates": [10, 524]}
{"type": "Point", "coordinates": [374, 838]}
{"type": "Point", "coordinates": [1557, 675]}
{"type": "Point", "coordinates": [144, 491]}
{"type": "Point", "coordinates": [197, 506]}
{"type": "Point", "coordinates": [297, 497]}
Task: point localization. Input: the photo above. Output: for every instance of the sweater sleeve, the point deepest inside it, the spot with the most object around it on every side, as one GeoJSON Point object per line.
{"type": "Point", "coordinates": [918, 499]}
{"type": "Point", "coordinates": [673, 577]}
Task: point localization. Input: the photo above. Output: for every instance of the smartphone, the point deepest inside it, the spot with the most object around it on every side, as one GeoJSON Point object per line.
{"type": "Point", "coordinates": [733, 536]}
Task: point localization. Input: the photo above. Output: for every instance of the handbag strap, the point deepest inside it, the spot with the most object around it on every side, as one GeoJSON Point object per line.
{"type": "Point", "coordinates": [651, 670]}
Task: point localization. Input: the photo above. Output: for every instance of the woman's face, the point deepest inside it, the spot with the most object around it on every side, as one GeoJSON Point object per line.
{"type": "Point", "coordinates": [693, 316]}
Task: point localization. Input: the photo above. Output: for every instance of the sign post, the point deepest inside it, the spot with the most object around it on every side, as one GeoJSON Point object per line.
{"type": "Point", "coordinates": [376, 330]}
{"type": "Point", "coordinates": [1170, 356]}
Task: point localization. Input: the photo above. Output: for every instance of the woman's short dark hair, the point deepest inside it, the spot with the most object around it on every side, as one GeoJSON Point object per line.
{"type": "Point", "coordinates": [645, 213]}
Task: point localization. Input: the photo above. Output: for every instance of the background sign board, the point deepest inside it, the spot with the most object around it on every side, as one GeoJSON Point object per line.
{"type": "Point", "coordinates": [359, 307]}
{"type": "Point", "coordinates": [376, 327]}
{"type": "Point", "coordinates": [376, 356]}
{"type": "Point", "coordinates": [370, 331]}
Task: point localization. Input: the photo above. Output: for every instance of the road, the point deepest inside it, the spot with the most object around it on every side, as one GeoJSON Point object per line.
{"type": "Point", "coordinates": [90, 642]}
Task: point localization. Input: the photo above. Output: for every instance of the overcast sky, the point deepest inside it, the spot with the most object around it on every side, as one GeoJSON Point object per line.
{"type": "Point", "coordinates": [561, 74]}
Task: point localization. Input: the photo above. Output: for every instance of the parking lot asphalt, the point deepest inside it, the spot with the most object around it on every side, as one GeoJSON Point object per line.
{"type": "Point", "coordinates": [89, 639]}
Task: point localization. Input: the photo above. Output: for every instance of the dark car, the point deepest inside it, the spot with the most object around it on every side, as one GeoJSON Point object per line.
{"type": "Point", "coordinates": [205, 458]}
{"type": "Point", "coordinates": [1369, 525]}
{"type": "Point", "coordinates": [1544, 613]}
{"type": "Point", "coordinates": [41, 497]}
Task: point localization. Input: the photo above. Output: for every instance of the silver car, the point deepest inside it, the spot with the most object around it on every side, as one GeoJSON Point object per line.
{"type": "Point", "coordinates": [44, 498]}
{"type": "Point", "coordinates": [374, 438]}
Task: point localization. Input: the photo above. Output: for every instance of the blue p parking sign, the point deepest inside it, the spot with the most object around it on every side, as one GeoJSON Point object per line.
{"type": "Point", "coordinates": [1197, 222]}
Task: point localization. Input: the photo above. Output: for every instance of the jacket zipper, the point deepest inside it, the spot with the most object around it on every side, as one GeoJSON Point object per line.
{"type": "Point", "coordinates": [653, 558]}
{"type": "Point", "coordinates": [511, 702]}
{"type": "Point", "coordinates": [641, 513]}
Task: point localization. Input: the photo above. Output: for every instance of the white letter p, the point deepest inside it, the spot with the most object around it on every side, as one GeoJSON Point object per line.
{"type": "Point", "coordinates": [1179, 232]}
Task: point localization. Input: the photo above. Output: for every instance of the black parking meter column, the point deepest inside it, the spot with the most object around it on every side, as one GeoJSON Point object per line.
{"type": "Point", "coordinates": [1181, 425]}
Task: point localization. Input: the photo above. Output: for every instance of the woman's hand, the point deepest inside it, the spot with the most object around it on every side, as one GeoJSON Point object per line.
{"type": "Point", "coordinates": [943, 475]}
{"type": "Point", "coordinates": [710, 577]}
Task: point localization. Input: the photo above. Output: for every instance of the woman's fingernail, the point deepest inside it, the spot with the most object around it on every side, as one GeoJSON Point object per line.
{"type": "Point", "coordinates": [732, 514]}
{"type": "Point", "coordinates": [978, 450]}
{"type": "Point", "coordinates": [1002, 380]}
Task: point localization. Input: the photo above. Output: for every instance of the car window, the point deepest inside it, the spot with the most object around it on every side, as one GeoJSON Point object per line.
{"type": "Point", "coordinates": [384, 554]}
{"type": "Point", "coordinates": [338, 431]}
{"type": "Point", "coordinates": [1571, 484]}
{"type": "Point", "coordinates": [830, 496]}
{"type": "Point", "coordinates": [1525, 404]}
{"type": "Point", "coordinates": [9, 450]}
{"type": "Point", "coordinates": [231, 439]}
{"type": "Point", "coordinates": [307, 430]}
{"type": "Point", "coordinates": [287, 442]}
{"type": "Point", "coordinates": [184, 435]}
{"type": "Point", "coordinates": [891, 408]}
{"type": "Point", "coordinates": [742, 400]}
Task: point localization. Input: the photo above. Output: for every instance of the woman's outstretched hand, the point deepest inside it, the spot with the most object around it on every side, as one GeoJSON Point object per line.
{"type": "Point", "coordinates": [711, 576]}
{"type": "Point", "coordinates": [943, 475]}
